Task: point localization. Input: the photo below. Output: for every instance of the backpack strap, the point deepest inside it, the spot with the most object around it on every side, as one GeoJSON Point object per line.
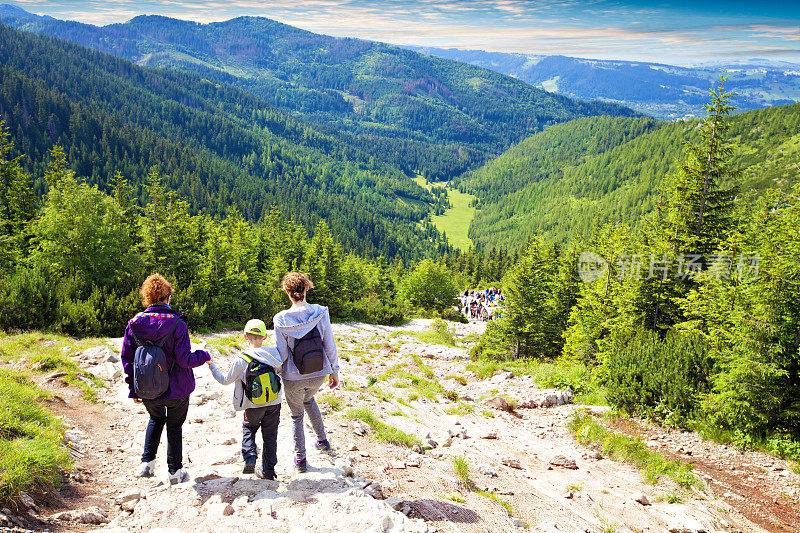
{"type": "Point", "coordinates": [246, 357]}
{"type": "Point", "coordinates": [160, 342]}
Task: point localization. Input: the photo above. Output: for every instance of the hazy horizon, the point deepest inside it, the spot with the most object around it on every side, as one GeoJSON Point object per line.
{"type": "Point", "coordinates": [678, 33]}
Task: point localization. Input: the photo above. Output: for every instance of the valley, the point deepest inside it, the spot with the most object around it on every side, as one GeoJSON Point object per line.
{"type": "Point", "coordinates": [631, 230]}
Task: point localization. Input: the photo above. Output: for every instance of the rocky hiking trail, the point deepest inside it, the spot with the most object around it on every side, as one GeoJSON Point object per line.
{"type": "Point", "coordinates": [525, 469]}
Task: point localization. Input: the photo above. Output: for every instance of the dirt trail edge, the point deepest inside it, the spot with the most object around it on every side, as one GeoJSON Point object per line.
{"type": "Point", "coordinates": [525, 469]}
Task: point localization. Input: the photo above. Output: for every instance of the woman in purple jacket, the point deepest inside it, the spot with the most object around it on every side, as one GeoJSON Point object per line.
{"type": "Point", "coordinates": [160, 321]}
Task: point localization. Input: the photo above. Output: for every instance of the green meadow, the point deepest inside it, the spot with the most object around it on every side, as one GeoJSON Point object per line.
{"type": "Point", "coordinates": [455, 221]}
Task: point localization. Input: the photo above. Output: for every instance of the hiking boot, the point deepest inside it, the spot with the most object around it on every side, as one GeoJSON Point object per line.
{"type": "Point", "coordinates": [265, 474]}
{"type": "Point", "coordinates": [301, 466]}
{"type": "Point", "coordinates": [323, 445]}
{"type": "Point", "coordinates": [146, 469]}
{"type": "Point", "coordinates": [249, 468]}
{"type": "Point", "coordinates": [179, 476]}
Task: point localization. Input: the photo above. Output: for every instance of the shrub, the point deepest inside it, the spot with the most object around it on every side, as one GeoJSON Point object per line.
{"type": "Point", "coordinates": [649, 372]}
{"type": "Point", "coordinates": [454, 315]}
{"type": "Point", "coordinates": [430, 285]}
{"type": "Point", "coordinates": [372, 310]}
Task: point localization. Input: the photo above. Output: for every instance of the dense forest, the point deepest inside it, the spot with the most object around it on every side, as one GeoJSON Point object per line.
{"type": "Point", "coordinates": [422, 114]}
{"type": "Point", "coordinates": [213, 144]}
{"type": "Point", "coordinates": [694, 317]}
{"type": "Point", "coordinates": [73, 260]}
{"type": "Point", "coordinates": [557, 182]}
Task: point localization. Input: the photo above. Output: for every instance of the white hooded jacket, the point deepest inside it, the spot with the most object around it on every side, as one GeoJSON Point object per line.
{"type": "Point", "coordinates": [292, 324]}
{"type": "Point", "coordinates": [266, 355]}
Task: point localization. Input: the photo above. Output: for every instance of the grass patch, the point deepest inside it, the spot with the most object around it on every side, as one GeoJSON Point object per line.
{"type": "Point", "coordinates": [561, 374]}
{"type": "Point", "coordinates": [587, 430]}
{"type": "Point", "coordinates": [455, 497]}
{"type": "Point", "coordinates": [405, 379]}
{"type": "Point", "coordinates": [495, 498]}
{"type": "Point", "coordinates": [458, 379]}
{"type": "Point", "coordinates": [229, 343]}
{"type": "Point", "coordinates": [334, 403]}
{"type": "Point", "coordinates": [459, 409]}
{"type": "Point", "coordinates": [49, 353]}
{"type": "Point", "coordinates": [426, 370]}
{"type": "Point", "coordinates": [461, 468]}
{"type": "Point", "coordinates": [438, 333]}
{"type": "Point", "coordinates": [31, 452]}
{"type": "Point", "coordinates": [383, 431]}
{"type": "Point", "coordinates": [462, 471]}
{"type": "Point", "coordinates": [381, 394]}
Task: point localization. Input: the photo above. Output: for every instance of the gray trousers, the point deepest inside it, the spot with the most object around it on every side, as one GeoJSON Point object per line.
{"type": "Point", "coordinates": [299, 396]}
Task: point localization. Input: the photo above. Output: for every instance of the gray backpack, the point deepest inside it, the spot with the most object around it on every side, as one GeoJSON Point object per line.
{"type": "Point", "coordinates": [308, 352]}
{"type": "Point", "coordinates": [150, 369]}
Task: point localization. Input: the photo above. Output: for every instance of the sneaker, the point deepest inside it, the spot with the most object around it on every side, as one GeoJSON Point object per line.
{"type": "Point", "coordinates": [249, 468]}
{"type": "Point", "coordinates": [301, 466]}
{"type": "Point", "coordinates": [323, 445]}
{"type": "Point", "coordinates": [146, 469]}
{"type": "Point", "coordinates": [179, 476]}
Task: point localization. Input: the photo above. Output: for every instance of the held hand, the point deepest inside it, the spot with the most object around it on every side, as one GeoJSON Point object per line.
{"type": "Point", "coordinates": [333, 381]}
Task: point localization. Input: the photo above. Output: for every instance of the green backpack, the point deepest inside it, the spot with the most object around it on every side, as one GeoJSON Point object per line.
{"type": "Point", "coordinates": [261, 383]}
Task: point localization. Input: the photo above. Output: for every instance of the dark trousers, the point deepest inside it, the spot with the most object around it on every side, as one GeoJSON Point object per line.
{"type": "Point", "coordinates": [267, 419]}
{"type": "Point", "coordinates": [171, 413]}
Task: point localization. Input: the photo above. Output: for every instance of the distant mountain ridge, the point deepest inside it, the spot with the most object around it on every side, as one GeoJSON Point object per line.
{"type": "Point", "coordinates": [217, 146]}
{"type": "Point", "coordinates": [419, 113]}
{"type": "Point", "coordinates": [663, 91]}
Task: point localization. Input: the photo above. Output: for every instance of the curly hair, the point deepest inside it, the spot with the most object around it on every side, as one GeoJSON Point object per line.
{"type": "Point", "coordinates": [296, 284]}
{"type": "Point", "coordinates": [155, 289]}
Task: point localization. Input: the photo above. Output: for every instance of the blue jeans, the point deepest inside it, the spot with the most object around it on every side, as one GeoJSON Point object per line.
{"type": "Point", "coordinates": [170, 413]}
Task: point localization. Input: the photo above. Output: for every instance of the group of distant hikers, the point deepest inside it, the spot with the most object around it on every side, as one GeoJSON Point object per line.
{"type": "Point", "coordinates": [482, 305]}
{"type": "Point", "coordinates": [158, 360]}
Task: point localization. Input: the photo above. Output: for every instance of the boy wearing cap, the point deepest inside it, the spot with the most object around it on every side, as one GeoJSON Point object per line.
{"type": "Point", "coordinates": [266, 416]}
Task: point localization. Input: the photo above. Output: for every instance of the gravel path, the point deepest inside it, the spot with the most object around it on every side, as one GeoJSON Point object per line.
{"type": "Point", "coordinates": [510, 458]}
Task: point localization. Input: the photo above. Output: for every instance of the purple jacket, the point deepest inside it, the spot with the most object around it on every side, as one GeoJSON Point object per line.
{"type": "Point", "coordinates": [153, 324]}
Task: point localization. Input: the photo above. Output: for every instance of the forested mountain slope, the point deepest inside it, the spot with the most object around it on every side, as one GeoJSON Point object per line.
{"type": "Point", "coordinates": [215, 145]}
{"type": "Point", "coordinates": [559, 181]}
{"type": "Point", "coordinates": [421, 113]}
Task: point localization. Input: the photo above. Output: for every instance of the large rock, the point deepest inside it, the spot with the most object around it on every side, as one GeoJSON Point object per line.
{"type": "Point", "coordinates": [501, 377]}
{"type": "Point", "coordinates": [90, 515]}
{"type": "Point", "coordinates": [498, 402]}
{"type": "Point", "coordinates": [559, 397]}
{"type": "Point", "coordinates": [108, 371]}
{"type": "Point", "coordinates": [100, 354]}
{"type": "Point", "coordinates": [564, 462]}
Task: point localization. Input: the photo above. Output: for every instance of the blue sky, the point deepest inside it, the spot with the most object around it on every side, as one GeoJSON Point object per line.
{"type": "Point", "coordinates": [678, 32]}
